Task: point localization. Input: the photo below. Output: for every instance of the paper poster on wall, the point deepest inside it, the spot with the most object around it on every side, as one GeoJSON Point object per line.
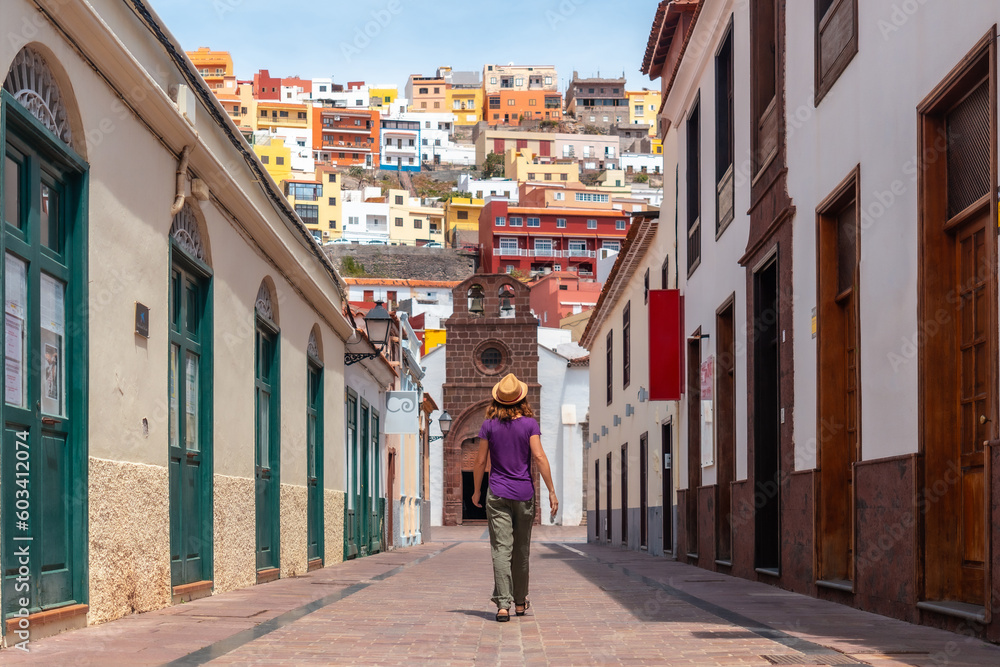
{"type": "Point", "coordinates": [53, 320]}
{"type": "Point", "coordinates": [16, 293]}
{"type": "Point", "coordinates": [12, 382]}
{"type": "Point", "coordinates": [707, 412]}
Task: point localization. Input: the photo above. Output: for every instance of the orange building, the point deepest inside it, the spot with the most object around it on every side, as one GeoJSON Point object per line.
{"type": "Point", "coordinates": [346, 137]}
{"type": "Point", "coordinates": [510, 107]}
{"type": "Point", "coordinates": [214, 66]}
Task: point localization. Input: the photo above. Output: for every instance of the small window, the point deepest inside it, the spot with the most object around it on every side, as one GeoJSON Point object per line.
{"type": "Point", "coordinates": [333, 224]}
{"type": "Point", "coordinates": [491, 358]}
{"type": "Point", "coordinates": [333, 201]}
{"type": "Point", "coordinates": [610, 365]}
{"type": "Point", "coordinates": [693, 175]}
{"type": "Point", "coordinates": [561, 223]}
{"type": "Point", "coordinates": [279, 160]}
{"type": "Point", "coordinates": [620, 225]}
{"type": "Point", "coordinates": [627, 345]}
{"type": "Point", "coordinates": [534, 222]}
{"type": "Point", "coordinates": [399, 200]}
{"type": "Point", "coordinates": [399, 222]}
{"type": "Point", "coordinates": [265, 159]}
{"type": "Point", "coordinates": [501, 221]}
{"type": "Point", "coordinates": [592, 224]}
{"type": "Point", "coordinates": [463, 215]}
{"type": "Point", "coordinates": [836, 41]}
{"type": "Point", "coordinates": [515, 222]}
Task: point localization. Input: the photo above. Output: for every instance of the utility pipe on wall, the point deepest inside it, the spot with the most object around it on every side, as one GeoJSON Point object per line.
{"type": "Point", "coordinates": [181, 175]}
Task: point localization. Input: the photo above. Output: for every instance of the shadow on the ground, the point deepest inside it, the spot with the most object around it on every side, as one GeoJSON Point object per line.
{"type": "Point", "coordinates": [488, 615]}
{"type": "Point", "coordinates": [656, 603]}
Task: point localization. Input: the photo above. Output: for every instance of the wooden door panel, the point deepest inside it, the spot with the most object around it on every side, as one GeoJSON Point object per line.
{"type": "Point", "coordinates": [55, 583]}
{"type": "Point", "coordinates": [973, 526]}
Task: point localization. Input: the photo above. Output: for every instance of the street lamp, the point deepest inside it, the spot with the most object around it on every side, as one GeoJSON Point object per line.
{"type": "Point", "coordinates": [377, 323]}
{"type": "Point", "coordinates": [444, 421]}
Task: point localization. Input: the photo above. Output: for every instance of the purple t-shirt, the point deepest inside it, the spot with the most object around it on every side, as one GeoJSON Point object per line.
{"type": "Point", "coordinates": [510, 456]}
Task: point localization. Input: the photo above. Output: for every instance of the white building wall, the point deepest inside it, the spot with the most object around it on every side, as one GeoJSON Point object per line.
{"type": "Point", "coordinates": [642, 162]}
{"type": "Point", "coordinates": [824, 144]}
{"type": "Point", "coordinates": [434, 376]}
{"type": "Point", "coordinates": [719, 275]}
{"type": "Point", "coordinates": [497, 187]}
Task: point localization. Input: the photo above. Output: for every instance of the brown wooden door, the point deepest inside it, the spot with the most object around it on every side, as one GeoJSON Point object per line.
{"type": "Point", "coordinates": [643, 490]}
{"type": "Point", "coordinates": [725, 390]}
{"type": "Point", "coordinates": [974, 398]}
{"type": "Point", "coordinates": [958, 320]}
{"type": "Point", "coordinates": [839, 399]}
{"type": "Point", "coordinates": [624, 490]}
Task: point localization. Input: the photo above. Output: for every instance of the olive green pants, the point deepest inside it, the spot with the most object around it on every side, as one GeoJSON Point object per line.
{"type": "Point", "coordinates": [510, 542]}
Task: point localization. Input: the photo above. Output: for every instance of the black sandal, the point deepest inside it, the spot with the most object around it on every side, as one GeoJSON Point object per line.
{"type": "Point", "coordinates": [526, 604]}
{"type": "Point", "coordinates": [503, 618]}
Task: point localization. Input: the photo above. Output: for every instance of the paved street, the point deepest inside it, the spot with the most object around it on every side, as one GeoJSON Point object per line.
{"type": "Point", "coordinates": [430, 604]}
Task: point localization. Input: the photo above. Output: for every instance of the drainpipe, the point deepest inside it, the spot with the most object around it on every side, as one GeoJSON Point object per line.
{"type": "Point", "coordinates": [182, 168]}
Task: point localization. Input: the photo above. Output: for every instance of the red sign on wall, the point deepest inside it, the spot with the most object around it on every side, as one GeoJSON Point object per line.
{"type": "Point", "coordinates": [666, 345]}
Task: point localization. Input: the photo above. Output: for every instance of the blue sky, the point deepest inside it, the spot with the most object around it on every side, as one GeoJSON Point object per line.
{"type": "Point", "coordinates": [384, 41]}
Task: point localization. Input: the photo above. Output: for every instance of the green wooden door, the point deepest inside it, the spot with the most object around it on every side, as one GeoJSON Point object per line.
{"type": "Point", "coordinates": [363, 507]}
{"type": "Point", "coordinates": [350, 516]}
{"type": "Point", "coordinates": [314, 454]}
{"type": "Point", "coordinates": [377, 513]}
{"type": "Point", "coordinates": [43, 491]}
{"type": "Point", "coordinates": [268, 446]}
{"type": "Point", "coordinates": [190, 400]}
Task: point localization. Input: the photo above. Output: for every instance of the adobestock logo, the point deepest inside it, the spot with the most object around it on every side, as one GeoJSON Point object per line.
{"type": "Point", "coordinates": [363, 35]}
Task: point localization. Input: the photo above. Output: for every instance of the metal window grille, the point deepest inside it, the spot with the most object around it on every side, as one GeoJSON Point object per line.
{"type": "Point", "coordinates": [969, 150]}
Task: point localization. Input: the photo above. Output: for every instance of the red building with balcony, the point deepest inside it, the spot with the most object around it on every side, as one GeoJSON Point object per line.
{"type": "Point", "coordinates": [537, 239]}
{"type": "Point", "coordinates": [346, 137]}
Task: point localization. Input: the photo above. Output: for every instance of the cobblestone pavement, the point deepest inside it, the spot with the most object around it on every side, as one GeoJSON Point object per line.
{"type": "Point", "coordinates": [430, 605]}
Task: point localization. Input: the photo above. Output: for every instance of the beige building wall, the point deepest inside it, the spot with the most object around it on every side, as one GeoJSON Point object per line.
{"type": "Point", "coordinates": [131, 188]}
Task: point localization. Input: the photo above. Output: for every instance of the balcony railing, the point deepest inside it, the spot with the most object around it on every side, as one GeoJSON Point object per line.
{"type": "Point", "coordinates": [580, 253]}
{"type": "Point", "coordinates": [538, 252]}
{"type": "Point", "coordinates": [511, 252]}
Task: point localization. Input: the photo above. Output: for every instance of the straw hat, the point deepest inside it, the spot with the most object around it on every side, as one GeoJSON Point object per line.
{"type": "Point", "coordinates": [510, 390]}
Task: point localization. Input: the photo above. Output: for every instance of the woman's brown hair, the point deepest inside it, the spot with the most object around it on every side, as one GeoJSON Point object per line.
{"type": "Point", "coordinates": [505, 413]}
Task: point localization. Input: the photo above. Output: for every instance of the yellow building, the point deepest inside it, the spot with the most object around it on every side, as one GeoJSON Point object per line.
{"type": "Point", "coordinates": [276, 158]}
{"type": "Point", "coordinates": [466, 102]}
{"type": "Point", "coordinates": [461, 215]}
{"type": "Point", "coordinates": [270, 115]}
{"type": "Point", "coordinates": [317, 201]}
{"type": "Point", "coordinates": [657, 146]}
{"type": "Point", "coordinates": [434, 338]}
{"type": "Point", "coordinates": [410, 223]}
{"type": "Point", "coordinates": [214, 66]}
{"type": "Point", "coordinates": [524, 167]}
{"type": "Point", "coordinates": [644, 109]}
{"type": "Point", "coordinates": [382, 96]}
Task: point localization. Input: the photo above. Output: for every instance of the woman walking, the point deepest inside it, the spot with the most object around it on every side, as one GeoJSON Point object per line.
{"type": "Point", "coordinates": [511, 438]}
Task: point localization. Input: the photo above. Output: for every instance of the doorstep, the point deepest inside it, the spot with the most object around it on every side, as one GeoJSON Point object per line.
{"type": "Point", "coordinates": [49, 622]}
{"type": "Point", "coordinates": [315, 564]}
{"type": "Point", "coordinates": [963, 610]}
{"type": "Point", "coordinates": [265, 576]}
{"type": "Point", "coordinates": [192, 591]}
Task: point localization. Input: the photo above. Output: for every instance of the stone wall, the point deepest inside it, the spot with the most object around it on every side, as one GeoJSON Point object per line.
{"type": "Point", "coordinates": [129, 531]}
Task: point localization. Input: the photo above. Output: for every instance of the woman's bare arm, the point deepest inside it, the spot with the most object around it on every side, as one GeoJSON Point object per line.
{"type": "Point", "coordinates": [542, 461]}
{"type": "Point", "coordinates": [479, 469]}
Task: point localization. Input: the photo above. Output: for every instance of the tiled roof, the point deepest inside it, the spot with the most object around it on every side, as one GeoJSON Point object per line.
{"type": "Point", "coordinates": [662, 33]}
